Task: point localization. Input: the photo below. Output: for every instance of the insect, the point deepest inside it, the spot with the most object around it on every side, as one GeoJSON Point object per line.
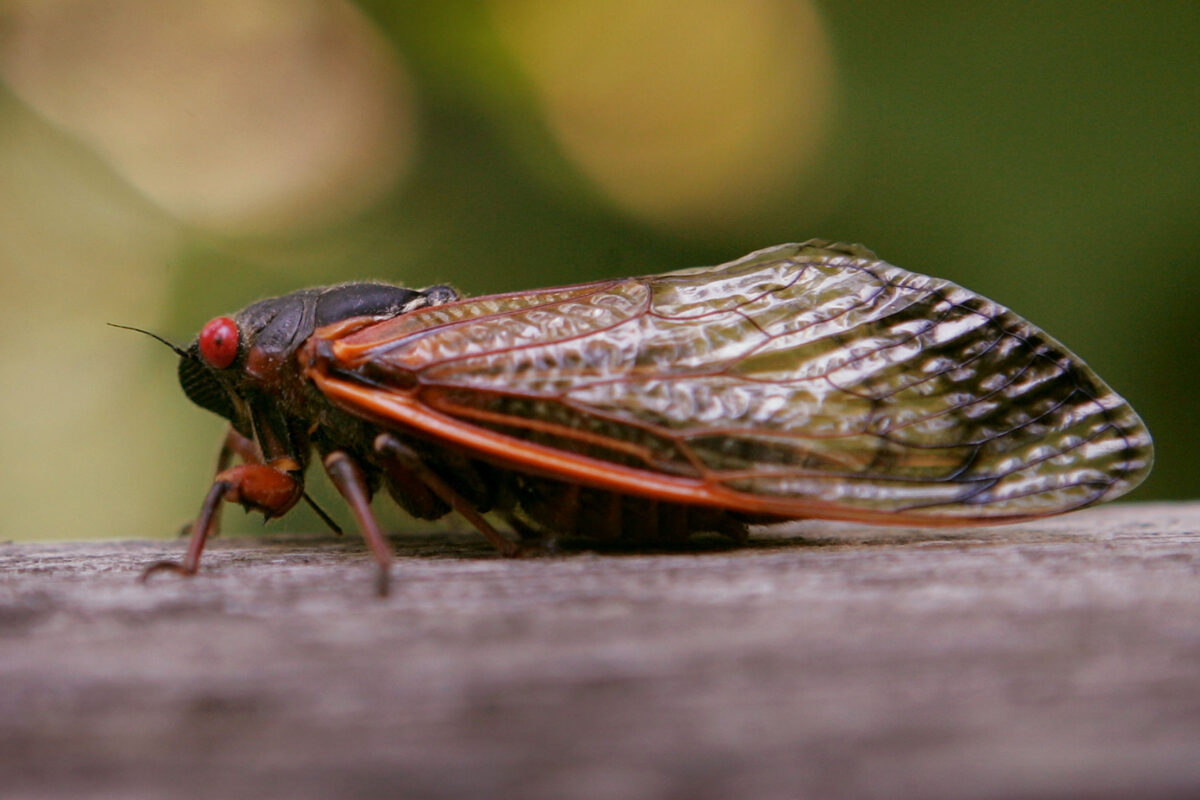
{"type": "Point", "coordinates": [801, 381]}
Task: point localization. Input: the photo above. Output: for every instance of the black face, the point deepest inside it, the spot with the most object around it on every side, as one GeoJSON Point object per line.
{"type": "Point", "coordinates": [219, 366]}
{"type": "Point", "coordinates": [203, 388]}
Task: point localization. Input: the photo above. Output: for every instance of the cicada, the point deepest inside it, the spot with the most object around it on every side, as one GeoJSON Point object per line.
{"type": "Point", "coordinates": [801, 381]}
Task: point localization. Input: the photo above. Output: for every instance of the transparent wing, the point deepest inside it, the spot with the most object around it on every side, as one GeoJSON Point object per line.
{"type": "Point", "coordinates": [808, 373]}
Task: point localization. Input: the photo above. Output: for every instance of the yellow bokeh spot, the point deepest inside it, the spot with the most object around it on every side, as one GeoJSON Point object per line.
{"type": "Point", "coordinates": [689, 112]}
{"type": "Point", "coordinates": [260, 116]}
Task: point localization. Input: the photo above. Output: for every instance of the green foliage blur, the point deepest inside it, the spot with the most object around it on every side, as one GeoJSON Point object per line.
{"type": "Point", "coordinates": [1042, 154]}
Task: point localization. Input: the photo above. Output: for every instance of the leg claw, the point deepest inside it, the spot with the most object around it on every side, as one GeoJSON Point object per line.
{"type": "Point", "coordinates": [529, 549]}
{"type": "Point", "coordinates": [165, 566]}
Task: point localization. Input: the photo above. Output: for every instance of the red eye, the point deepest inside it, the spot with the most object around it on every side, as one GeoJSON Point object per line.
{"type": "Point", "coordinates": [219, 342]}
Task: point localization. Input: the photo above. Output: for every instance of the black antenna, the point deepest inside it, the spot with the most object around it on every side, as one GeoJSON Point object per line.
{"type": "Point", "coordinates": [179, 351]}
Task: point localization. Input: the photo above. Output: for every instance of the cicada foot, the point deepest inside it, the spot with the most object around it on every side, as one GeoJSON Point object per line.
{"type": "Point", "coordinates": [263, 487]}
{"type": "Point", "coordinates": [200, 532]}
{"type": "Point", "coordinates": [534, 541]}
{"type": "Point", "coordinates": [540, 549]}
{"type": "Point", "coordinates": [165, 566]}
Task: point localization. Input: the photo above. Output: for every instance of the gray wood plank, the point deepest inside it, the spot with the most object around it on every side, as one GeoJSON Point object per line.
{"type": "Point", "coordinates": [1053, 659]}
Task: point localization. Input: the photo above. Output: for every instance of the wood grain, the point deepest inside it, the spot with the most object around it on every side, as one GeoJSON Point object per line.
{"type": "Point", "coordinates": [1057, 659]}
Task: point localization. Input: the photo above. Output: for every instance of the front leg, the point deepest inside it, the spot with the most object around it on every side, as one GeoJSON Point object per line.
{"type": "Point", "coordinates": [234, 444]}
{"type": "Point", "coordinates": [270, 488]}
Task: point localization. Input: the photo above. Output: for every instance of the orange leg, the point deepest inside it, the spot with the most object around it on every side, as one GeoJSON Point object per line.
{"type": "Point", "coordinates": [271, 489]}
{"type": "Point", "coordinates": [245, 449]}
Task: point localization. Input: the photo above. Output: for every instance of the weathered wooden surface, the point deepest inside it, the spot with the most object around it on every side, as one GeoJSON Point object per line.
{"type": "Point", "coordinates": [1059, 659]}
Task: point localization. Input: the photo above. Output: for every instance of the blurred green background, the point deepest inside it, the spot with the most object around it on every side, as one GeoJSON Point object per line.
{"type": "Point", "coordinates": [162, 163]}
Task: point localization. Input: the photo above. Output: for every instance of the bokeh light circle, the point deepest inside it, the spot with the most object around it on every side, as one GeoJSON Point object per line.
{"type": "Point", "coordinates": [261, 116]}
{"type": "Point", "coordinates": [690, 113]}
